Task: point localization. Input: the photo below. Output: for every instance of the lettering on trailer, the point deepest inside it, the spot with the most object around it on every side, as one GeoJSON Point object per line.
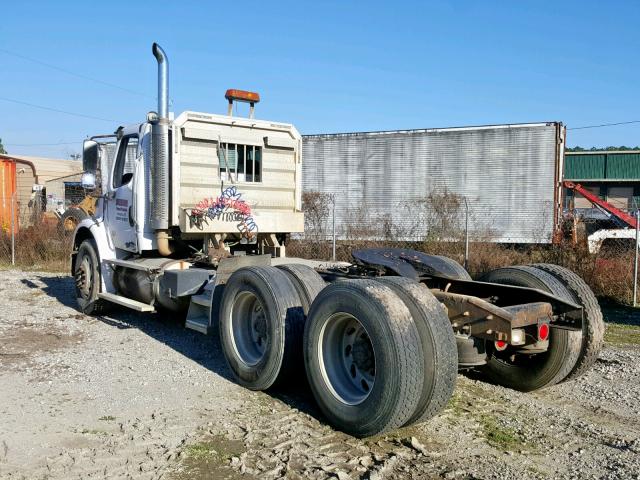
{"type": "Point", "coordinates": [122, 210]}
{"type": "Point", "coordinates": [229, 206]}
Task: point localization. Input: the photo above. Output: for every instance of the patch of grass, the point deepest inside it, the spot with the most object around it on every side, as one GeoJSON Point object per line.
{"type": "Point", "coordinates": [499, 436]}
{"type": "Point", "coordinates": [107, 418]}
{"type": "Point", "coordinates": [619, 334]}
{"type": "Point", "coordinates": [469, 403]}
{"type": "Point", "coordinates": [209, 458]}
{"type": "Point", "coordinates": [216, 449]}
{"type": "Point", "coordinates": [201, 451]}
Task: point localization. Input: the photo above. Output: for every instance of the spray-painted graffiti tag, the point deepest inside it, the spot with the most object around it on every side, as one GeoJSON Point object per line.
{"type": "Point", "coordinates": [229, 206]}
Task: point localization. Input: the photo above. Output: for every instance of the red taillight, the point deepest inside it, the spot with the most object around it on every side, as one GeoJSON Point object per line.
{"type": "Point", "coordinates": [543, 331]}
{"type": "Point", "coordinates": [500, 345]}
{"type": "Point", "coordinates": [242, 96]}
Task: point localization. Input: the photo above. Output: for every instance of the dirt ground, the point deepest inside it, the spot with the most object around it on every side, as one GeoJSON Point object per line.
{"type": "Point", "coordinates": [137, 396]}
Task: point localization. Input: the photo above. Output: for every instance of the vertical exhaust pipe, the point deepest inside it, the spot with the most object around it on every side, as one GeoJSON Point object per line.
{"type": "Point", "coordinates": [160, 157]}
{"type": "Point", "coordinates": [163, 80]}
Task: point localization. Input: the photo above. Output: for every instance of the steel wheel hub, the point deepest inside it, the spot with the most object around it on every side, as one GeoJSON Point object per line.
{"type": "Point", "coordinates": [347, 358]}
{"type": "Point", "coordinates": [83, 277]}
{"type": "Point", "coordinates": [248, 328]}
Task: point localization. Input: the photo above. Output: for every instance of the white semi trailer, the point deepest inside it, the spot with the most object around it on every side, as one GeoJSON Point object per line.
{"type": "Point", "coordinates": [192, 216]}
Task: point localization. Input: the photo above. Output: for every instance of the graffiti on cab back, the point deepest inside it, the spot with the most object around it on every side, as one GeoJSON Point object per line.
{"type": "Point", "coordinates": [229, 206]}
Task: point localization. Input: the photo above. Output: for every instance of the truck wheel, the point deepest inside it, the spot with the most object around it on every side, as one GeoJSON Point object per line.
{"type": "Point", "coordinates": [459, 272]}
{"type": "Point", "coordinates": [70, 219]}
{"type": "Point", "coordinates": [307, 282]}
{"type": "Point", "coordinates": [363, 357]}
{"type": "Point", "coordinates": [593, 323]}
{"type": "Point", "coordinates": [86, 272]}
{"type": "Point", "coordinates": [528, 372]}
{"type": "Point", "coordinates": [439, 349]}
{"type": "Point", "coordinates": [261, 324]}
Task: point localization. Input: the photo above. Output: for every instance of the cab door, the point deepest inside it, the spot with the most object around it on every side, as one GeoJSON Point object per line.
{"type": "Point", "coordinates": [120, 208]}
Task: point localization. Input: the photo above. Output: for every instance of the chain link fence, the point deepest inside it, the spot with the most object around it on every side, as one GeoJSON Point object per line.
{"type": "Point", "coordinates": [31, 238]}
{"type": "Point", "coordinates": [38, 240]}
{"type": "Point", "coordinates": [448, 225]}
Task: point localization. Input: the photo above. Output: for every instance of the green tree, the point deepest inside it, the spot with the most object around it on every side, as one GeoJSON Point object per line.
{"type": "Point", "coordinates": [2, 150]}
{"type": "Point", "coordinates": [601, 149]}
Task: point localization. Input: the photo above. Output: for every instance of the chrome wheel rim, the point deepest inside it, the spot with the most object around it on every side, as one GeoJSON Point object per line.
{"type": "Point", "coordinates": [347, 358]}
{"type": "Point", "coordinates": [248, 328]}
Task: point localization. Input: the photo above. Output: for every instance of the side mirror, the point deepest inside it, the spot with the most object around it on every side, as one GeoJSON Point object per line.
{"type": "Point", "coordinates": [90, 156]}
{"type": "Point", "coordinates": [88, 181]}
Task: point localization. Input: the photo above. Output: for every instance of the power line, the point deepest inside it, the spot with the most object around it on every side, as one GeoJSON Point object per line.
{"type": "Point", "coordinates": [79, 75]}
{"type": "Point", "coordinates": [42, 107]}
{"type": "Point", "coordinates": [605, 125]}
{"type": "Point", "coordinates": [39, 144]}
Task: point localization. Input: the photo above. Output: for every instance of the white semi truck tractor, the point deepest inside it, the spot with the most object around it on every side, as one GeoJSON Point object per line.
{"type": "Point", "coordinates": [192, 218]}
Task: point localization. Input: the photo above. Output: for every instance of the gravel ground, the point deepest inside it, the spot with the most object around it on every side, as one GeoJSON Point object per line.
{"type": "Point", "coordinates": [137, 396]}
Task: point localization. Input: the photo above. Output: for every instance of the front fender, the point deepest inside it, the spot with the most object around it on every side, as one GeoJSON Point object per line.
{"type": "Point", "coordinates": [91, 229]}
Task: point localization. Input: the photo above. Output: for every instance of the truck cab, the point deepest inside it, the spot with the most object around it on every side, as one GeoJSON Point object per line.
{"type": "Point", "coordinates": [234, 184]}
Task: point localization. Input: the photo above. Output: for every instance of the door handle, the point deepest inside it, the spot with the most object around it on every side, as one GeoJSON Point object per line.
{"type": "Point", "coordinates": [131, 221]}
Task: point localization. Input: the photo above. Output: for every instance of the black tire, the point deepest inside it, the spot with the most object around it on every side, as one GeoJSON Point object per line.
{"type": "Point", "coordinates": [528, 372]}
{"type": "Point", "coordinates": [459, 272]}
{"type": "Point", "coordinates": [386, 354]}
{"type": "Point", "coordinates": [440, 353]}
{"type": "Point", "coordinates": [72, 215]}
{"type": "Point", "coordinates": [86, 272]}
{"type": "Point", "coordinates": [261, 349]}
{"type": "Point", "coordinates": [593, 322]}
{"type": "Point", "coordinates": [307, 282]}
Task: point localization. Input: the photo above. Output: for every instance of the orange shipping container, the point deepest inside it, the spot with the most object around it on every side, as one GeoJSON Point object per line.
{"type": "Point", "coordinates": [8, 195]}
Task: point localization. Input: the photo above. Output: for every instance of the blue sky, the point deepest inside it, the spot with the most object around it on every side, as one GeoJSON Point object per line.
{"type": "Point", "coordinates": [323, 66]}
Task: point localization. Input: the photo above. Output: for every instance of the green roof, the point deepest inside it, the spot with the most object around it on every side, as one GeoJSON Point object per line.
{"type": "Point", "coordinates": [594, 165]}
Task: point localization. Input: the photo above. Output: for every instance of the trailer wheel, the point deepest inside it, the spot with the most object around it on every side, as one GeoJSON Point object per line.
{"type": "Point", "coordinates": [459, 272]}
{"type": "Point", "coordinates": [439, 349]}
{"type": "Point", "coordinates": [363, 357]}
{"type": "Point", "coordinates": [260, 326]}
{"type": "Point", "coordinates": [593, 323]}
{"type": "Point", "coordinates": [528, 372]}
{"type": "Point", "coordinates": [86, 272]}
{"type": "Point", "coordinates": [307, 282]}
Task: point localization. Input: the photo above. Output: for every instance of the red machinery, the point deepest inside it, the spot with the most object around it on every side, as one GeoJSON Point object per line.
{"type": "Point", "coordinates": [606, 206]}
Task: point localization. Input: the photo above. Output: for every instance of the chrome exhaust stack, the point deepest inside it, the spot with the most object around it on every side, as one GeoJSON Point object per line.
{"type": "Point", "coordinates": [163, 80]}
{"type": "Point", "coordinates": [159, 190]}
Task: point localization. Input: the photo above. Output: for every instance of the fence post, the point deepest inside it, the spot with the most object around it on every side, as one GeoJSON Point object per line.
{"type": "Point", "coordinates": [333, 229]}
{"type": "Point", "coordinates": [466, 234]}
{"type": "Point", "coordinates": [13, 230]}
{"type": "Point", "coordinates": [635, 263]}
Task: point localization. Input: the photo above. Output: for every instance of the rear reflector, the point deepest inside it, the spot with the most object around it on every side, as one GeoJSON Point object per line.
{"type": "Point", "coordinates": [543, 331]}
{"type": "Point", "coordinates": [500, 345]}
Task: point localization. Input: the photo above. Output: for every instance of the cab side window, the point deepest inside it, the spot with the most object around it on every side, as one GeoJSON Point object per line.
{"type": "Point", "coordinates": [125, 161]}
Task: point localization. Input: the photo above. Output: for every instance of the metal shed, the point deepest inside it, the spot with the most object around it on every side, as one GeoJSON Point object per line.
{"type": "Point", "coordinates": [32, 173]}
{"type": "Point", "coordinates": [509, 174]}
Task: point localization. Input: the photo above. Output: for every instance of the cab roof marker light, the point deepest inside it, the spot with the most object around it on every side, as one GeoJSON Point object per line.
{"type": "Point", "coordinates": [242, 96]}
